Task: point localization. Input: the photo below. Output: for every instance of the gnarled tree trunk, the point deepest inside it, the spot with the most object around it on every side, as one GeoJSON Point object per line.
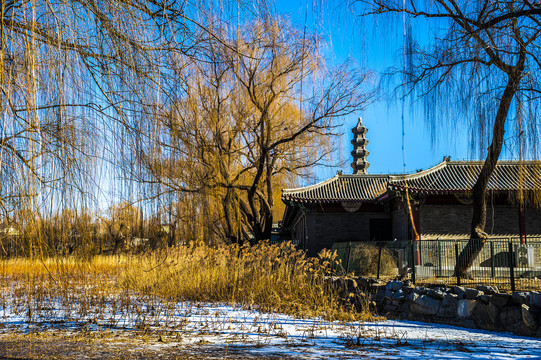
{"type": "Point", "coordinates": [478, 236]}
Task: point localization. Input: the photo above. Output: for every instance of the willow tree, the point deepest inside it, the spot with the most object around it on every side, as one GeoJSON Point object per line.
{"type": "Point", "coordinates": [72, 72]}
{"type": "Point", "coordinates": [483, 65]}
{"type": "Point", "coordinates": [260, 110]}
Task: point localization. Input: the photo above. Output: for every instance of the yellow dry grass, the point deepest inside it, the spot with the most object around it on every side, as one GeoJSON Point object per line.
{"type": "Point", "coordinates": [58, 266]}
{"type": "Point", "coordinates": [272, 278]}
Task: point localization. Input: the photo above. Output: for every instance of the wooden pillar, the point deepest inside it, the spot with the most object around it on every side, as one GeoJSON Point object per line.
{"type": "Point", "coordinates": [416, 218]}
{"type": "Point", "coordinates": [521, 224]}
{"type": "Point", "coordinates": [304, 233]}
{"type": "Point", "coordinates": [416, 234]}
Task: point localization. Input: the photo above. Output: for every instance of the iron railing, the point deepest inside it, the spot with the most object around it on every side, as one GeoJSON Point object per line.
{"type": "Point", "coordinates": [508, 263]}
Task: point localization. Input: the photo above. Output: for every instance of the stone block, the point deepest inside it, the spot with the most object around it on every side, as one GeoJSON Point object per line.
{"type": "Point", "coordinates": [425, 305]}
{"type": "Point", "coordinates": [394, 285]}
{"type": "Point", "coordinates": [525, 330]}
{"type": "Point", "coordinates": [514, 327]}
{"type": "Point", "coordinates": [486, 316]}
{"type": "Point", "coordinates": [378, 287]}
{"type": "Point", "coordinates": [472, 294]}
{"type": "Point", "coordinates": [484, 299]}
{"type": "Point", "coordinates": [500, 300]}
{"type": "Point", "coordinates": [535, 298]}
{"type": "Point", "coordinates": [528, 317]}
{"type": "Point", "coordinates": [379, 295]}
{"type": "Point", "coordinates": [511, 317]}
{"type": "Point", "coordinates": [407, 289]}
{"type": "Point", "coordinates": [389, 308]}
{"type": "Point", "coordinates": [351, 285]}
{"type": "Point", "coordinates": [399, 295]}
{"type": "Point", "coordinates": [468, 323]}
{"type": "Point", "coordinates": [449, 306]}
{"type": "Point", "coordinates": [436, 294]}
{"type": "Point", "coordinates": [465, 307]}
{"type": "Point", "coordinates": [412, 296]}
{"type": "Point", "coordinates": [404, 307]}
{"type": "Point", "coordinates": [365, 283]}
{"type": "Point", "coordinates": [458, 289]}
{"type": "Point", "coordinates": [421, 290]}
{"type": "Point", "coordinates": [489, 290]}
{"type": "Point", "coordinates": [519, 298]}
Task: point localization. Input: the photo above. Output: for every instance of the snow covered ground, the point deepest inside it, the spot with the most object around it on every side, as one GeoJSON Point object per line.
{"type": "Point", "coordinates": [214, 326]}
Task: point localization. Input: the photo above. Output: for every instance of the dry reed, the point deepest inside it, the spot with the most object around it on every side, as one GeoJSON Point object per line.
{"type": "Point", "coordinates": [109, 289]}
{"type": "Point", "coordinates": [270, 277]}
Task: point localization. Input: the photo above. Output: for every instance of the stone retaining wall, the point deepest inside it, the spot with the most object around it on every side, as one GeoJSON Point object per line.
{"type": "Point", "coordinates": [483, 308]}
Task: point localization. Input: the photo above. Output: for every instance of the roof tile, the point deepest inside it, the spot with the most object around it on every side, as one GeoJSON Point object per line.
{"type": "Point", "coordinates": [360, 187]}
{"type": "Point", "coordinates": [447, 176]}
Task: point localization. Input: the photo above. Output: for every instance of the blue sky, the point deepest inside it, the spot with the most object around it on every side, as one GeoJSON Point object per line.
{"type": "Point", "coordinates": [362, 42]}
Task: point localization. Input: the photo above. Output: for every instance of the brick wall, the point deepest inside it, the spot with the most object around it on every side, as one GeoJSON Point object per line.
{"type": "Point", "coordinates": [533, 221]}
{"type": "Point", "coordinates": [325, 229]}
{"type": "Point", "coordinates": [456, 219]}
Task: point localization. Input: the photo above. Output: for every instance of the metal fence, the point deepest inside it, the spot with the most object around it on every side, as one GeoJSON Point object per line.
{"type": "Point", "coordinates": [507, 263]}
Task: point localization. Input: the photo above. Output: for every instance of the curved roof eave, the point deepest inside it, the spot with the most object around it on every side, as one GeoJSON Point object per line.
{"type": "Point", "coordinates": [340, 188]}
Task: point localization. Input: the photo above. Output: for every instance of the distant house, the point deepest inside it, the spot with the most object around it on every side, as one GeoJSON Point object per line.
{"type": "Point", "coordinates": [9, 231]}
{"type": "Point", "coordinates": [365, 207]}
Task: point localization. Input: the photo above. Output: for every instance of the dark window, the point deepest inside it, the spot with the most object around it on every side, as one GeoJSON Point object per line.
{"type": "Point", "coordinates": [381, 230]}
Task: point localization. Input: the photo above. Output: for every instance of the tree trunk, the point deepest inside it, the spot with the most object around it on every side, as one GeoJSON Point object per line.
{"type": "Point", "coordinates": [267, 228]}
{"type": "Point", "coordinates": [478, 236]}
{"type": "Point", "coordinates": [226, 206]}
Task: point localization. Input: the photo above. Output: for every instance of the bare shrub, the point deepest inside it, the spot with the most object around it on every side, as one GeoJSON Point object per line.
{"type": "Point", "coordinates": [364, 260]}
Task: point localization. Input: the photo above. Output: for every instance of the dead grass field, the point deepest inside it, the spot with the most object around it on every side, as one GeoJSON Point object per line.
{"type": "Point", "coordinates": [69, 346]}
{"type": "Point", "coordinates": [109, 289]}
{"type": "Point", "coordinates": [47, 306]}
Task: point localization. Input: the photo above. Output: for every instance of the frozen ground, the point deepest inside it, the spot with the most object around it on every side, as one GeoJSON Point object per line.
{"type": "Point", "coordinates": [209, 328]}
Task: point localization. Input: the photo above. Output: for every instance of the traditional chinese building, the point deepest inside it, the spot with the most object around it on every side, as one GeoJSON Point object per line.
{"type": "Point", "coordinates": [366, 207]}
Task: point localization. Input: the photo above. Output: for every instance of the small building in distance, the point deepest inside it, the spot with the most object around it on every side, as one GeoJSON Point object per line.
{"type": "Point", "coordinates": [366, 207]}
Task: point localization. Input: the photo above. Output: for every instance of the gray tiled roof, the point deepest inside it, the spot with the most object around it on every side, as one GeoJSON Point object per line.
{"type": "Point", "coordinates": [340, 188]}
{"type": "Point", "coordinates": [446, 177]}
{"type": "Point", "coordinates": [460, 176]}
{"type": "Point", "coordinates": [466, 237]}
